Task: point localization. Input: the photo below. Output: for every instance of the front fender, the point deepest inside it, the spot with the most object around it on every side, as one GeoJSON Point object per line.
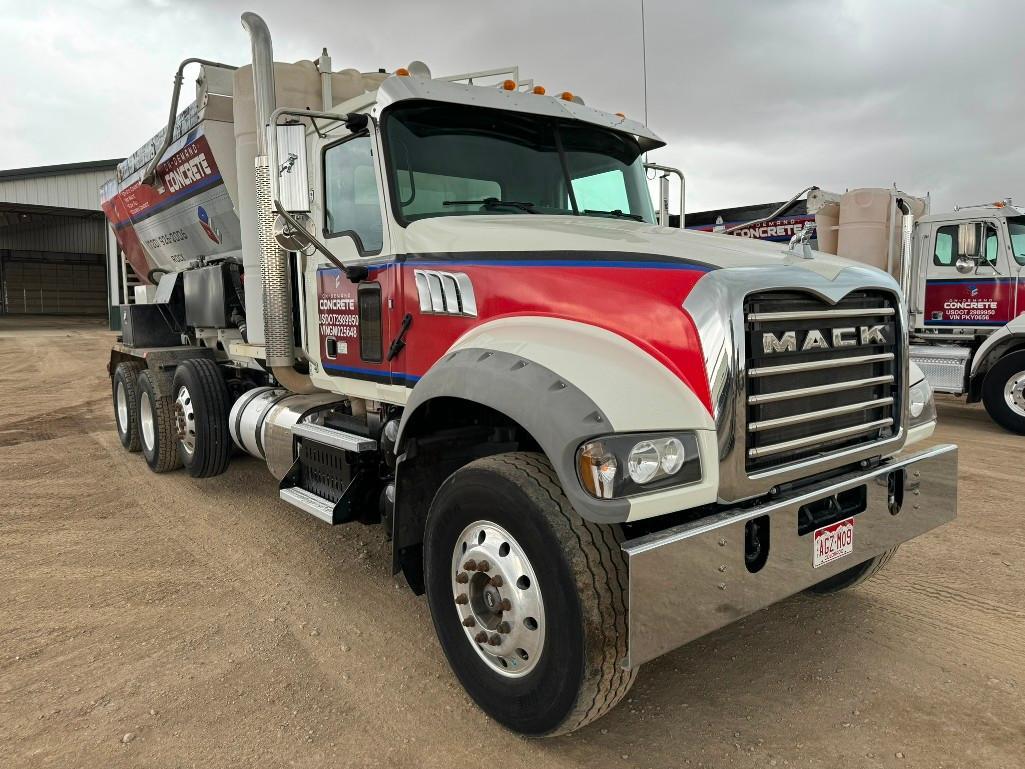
{"type": "Point", "coordinates": [566, 382]}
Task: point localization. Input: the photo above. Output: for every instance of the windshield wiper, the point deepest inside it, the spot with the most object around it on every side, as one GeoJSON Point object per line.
{"type": "Point", "coordinates": [615, 213]}
{"type": "Point", "coordinates": [493, 203]}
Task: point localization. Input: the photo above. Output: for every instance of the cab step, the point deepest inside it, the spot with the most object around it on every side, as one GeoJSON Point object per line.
{"type": "Point", "coordinates": [321, 508]}
{"type": "Point", "coordinates": [338, 439]}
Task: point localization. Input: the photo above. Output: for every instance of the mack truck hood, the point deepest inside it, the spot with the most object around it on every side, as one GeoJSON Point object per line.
{"type": "Point", "coordinates": [537, 234]}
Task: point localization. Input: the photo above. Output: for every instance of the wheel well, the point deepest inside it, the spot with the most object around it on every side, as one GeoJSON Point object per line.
{"type": "Point", "coordinates": [441, 436]}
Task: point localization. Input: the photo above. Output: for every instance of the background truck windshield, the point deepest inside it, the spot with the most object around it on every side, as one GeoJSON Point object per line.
{"type": "Point", "coordinates": [1016, 229]}
{"type": "Point", "coordinates": [451, 160]}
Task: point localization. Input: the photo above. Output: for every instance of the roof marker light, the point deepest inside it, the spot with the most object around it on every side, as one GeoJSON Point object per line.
{"type": "Point", "coordinates": [509, 85]}
{"type": "Point", "coordinates": [566, 96]}
{"type": "Point", "coordinates": [621, 114]}
{"type": "Point", "coordinates": [402, 72]}
{"type": "Point", "coordinates": [539, 90]}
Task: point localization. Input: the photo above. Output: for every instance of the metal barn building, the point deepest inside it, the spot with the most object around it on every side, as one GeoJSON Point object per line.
{"type": "Point", "coordinates": [54, 242]}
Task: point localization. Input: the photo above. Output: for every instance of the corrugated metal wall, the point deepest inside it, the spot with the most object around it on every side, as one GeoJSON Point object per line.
{"type": "Point", "coordinates": [53, 262]}
{"type": "Point", "coordinates": [44, 283]}
{"type": "Point", "coordinates": [68, 190]}
{"type": "Point", "coordinates": [56, 234]}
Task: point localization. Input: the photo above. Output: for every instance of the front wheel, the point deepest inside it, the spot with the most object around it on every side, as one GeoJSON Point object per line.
{"type": "Point", "coordinates": [852, 576]}
{"type": "Point", "coordinates": [1003, 392]}
{"type": "Point", "coordinates": [528, 599]}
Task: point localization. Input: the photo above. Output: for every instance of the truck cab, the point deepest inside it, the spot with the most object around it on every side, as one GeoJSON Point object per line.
{"type": "Point", "coordinates": [444, 306]}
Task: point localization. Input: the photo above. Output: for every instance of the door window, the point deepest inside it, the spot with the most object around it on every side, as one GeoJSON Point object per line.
{"type": "Point", "coordinates": [351, 203]}
{"type": "Point", "coordinates": [945, 252]}
{"type": "Point", "coordinates": [992, 250]}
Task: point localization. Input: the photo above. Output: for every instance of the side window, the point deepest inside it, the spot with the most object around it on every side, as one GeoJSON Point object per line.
{"type": "Point", "coordinates": [945, 253]}
{"type": "Point", "coordinates": [351, 204]}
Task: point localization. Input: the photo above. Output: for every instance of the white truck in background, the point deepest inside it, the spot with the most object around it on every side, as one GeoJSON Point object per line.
{"type": "Point", "coordinates": [962, 274]}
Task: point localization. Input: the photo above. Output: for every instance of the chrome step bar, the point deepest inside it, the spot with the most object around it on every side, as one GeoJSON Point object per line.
{"type": "Point", "coordinates": [336, 438]}
{"type": "Point", "coordinates": [318, 507]}
{"type": "Point", "coordinates": [817, 365]}
{"type": "Point", "coordinates": [812, 416]}
{"type": "Point", "coordinates": [811, 440]}
{"type": "Point", "coordinates": [820, 314]}
{"type": "Point", "coordinates": [807, 392]}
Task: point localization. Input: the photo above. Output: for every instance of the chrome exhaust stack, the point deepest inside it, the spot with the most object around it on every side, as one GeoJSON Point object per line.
{"type": "Point", "coordinates": [274, 261]}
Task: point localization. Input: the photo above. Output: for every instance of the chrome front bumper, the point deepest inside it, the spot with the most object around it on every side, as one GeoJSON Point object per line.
{"type": "Point", "coordinates": [692, 579]}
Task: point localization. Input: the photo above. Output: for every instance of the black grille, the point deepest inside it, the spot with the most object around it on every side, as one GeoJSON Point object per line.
{"type": "Point", "coordinates": [821, 378]}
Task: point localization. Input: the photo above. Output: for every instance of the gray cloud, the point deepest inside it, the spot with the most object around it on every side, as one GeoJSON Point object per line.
{"type": "Point", "coordinates": [756, 99]}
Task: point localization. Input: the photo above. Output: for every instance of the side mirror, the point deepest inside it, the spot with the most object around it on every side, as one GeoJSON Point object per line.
{"type": "Point", "coordinates": [969, 240]}
{"type": "Point", "coordinates": [292, 172]}
{"type": "Point", "coordinates": [965, 265]}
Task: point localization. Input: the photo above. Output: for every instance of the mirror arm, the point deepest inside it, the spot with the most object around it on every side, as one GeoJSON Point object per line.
{"type": "Point", "coordinates": [354, 274]}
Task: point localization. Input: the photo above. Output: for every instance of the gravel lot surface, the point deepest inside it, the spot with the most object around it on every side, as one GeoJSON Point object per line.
{"type": "Point", "coordinates": [161, 621]}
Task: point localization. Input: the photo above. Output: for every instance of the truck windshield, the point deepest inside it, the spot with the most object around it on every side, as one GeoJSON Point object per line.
{"type": "Point", "coordinates": [451, 160]}
{"type": "Point", "coordinates": [1016, 229]}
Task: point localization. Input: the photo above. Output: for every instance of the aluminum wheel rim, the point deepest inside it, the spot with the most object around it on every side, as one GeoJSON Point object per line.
{"type": "Point", "coordinates": [185, 420]}
{"type": "Point", "coordinates": [121, 401]}
{"type": "Point", "coordinates": [1014, 393]}
{"type": "Point", "coordinates": [498, 599]}
{"type": "Point", "coordinates": [146, 423]}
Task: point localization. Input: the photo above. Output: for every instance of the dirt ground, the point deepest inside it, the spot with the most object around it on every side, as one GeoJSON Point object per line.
{"type": "Point", "coordinates": [161, 621]}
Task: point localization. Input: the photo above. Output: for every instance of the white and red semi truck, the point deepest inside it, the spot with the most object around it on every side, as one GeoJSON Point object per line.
{"type": "Point", "coordinates": [961, 272]}
{"type": "Point", "coordinates": [443, 305]}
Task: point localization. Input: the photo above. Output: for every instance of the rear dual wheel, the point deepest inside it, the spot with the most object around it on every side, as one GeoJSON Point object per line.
{"type": "Point", "coordinates": [125, 388]}
{"type": "Point", "coordinates": [156, 426]}
{"type": "Point", "coordinates": [528, 599]}
{"type": "Point", "coordinates": [187, 428]}
{"type": "Point", "coordinates": [200, 403]}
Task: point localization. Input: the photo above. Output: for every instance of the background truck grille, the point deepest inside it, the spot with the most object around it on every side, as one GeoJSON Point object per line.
{"type": "Point", "coordinates": [805, 403]}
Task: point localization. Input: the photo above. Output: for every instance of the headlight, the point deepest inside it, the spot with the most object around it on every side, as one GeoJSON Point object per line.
{"type": "Point", "coordinates": [621, 465]}
{"type": "Point", "coordinates": [921, 405]}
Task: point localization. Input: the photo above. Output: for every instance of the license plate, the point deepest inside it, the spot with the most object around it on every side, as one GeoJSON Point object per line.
{"type": "Point", "coordinates": [832, 542]}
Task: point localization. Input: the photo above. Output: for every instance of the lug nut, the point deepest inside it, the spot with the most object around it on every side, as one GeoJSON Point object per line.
{"type": "Point", "coordinates": [495, 640]}
{"type": "Point", "coordinates": [506, 604]}
{"type": "Point", "coordinates": [470, 565]}
{"type": "Point", "coordinates": [469, 622]}
{"type": "Point", "coordinates": [462, 578]}
{"type": "Point", "coordinates": [497, 580]}
{"type": "Point", "coordinates": [461, 599]}
{"type": "Point", "coordinates": [503, 627]}
{"type": "Point", "coordinates": [483, 566]}
{"type": "Point", "coordinates": [481, 637]}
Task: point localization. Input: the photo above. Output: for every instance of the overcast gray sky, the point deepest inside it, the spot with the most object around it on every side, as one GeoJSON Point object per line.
{"type": "Point", "coordinates": [756, 100]}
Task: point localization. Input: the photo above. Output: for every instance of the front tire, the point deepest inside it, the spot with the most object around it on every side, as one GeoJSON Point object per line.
{"type": "Point", "coordinates": [853, 576]}
{"type": "Point", "coordinates": [1003, 392]}
{"type": "Point", "coordinates": [544, 655]}
{"type": "Point", "coordinates": [156, 427]}
{"type": "Point", "coordinates": [201, 417]}
{"type": "Point", "coordinates": [125, 390]}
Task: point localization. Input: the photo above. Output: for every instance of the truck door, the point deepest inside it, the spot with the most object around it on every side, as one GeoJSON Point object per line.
{"type": "Point", "coordinates": [354, 320]}
{"type": "Point", "coordinates": [960, 294]}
